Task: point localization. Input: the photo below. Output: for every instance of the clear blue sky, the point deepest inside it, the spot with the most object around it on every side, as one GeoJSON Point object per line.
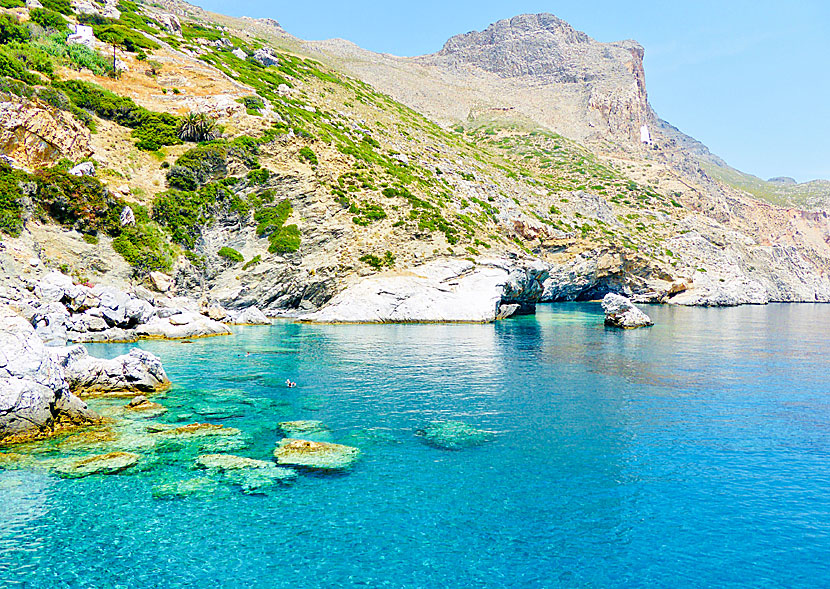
{"type": "Point", "coordinates": [751, 79]}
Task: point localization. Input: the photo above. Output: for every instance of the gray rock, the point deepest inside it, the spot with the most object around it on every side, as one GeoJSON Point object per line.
{"type": "Point", "coordinates": [138, 371]}
{"type": "Point", "coordinates": [83, 169]}
{"type": "Point", "coordinates": [621, 312]}
{"type": "Point", "coordinates": [320, 456]}
{"type": "Point", "coordinates": [127, 216]}
{"type": "Point", "coordinates": [453, 435]}
{"type": "Point", "coordinates": [265, 57]}
{"type": "Point", "coordinates": [240, 53]}
{"type": "Point", "coordinates": [171, 23]}
{"type": "Point", "coordinates": [249, 316]}
{"type": "Point", "coordinates": [34, 395]}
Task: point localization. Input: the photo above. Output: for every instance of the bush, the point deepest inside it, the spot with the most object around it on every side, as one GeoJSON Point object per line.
{"type": "Point", "coordinates": [306, 154]}
{"type": "Point", "coordinates": [287, 240]}
{"type": "Point", "coordinates": [62, 6]}
{"type": "Point", "coordinates": [123, 37]}
{"type": "Point", "coordinates": [197, 127]}
{"type": "Point", "coordinates": [12, 4]}
{"type": "Point", "coordinates": [377, 263]}
{"type": "Point", "coordinates": [82, 203]}
{"type": "Point", "coordinates": [231, 254]}
{"type": "Point", "coordinates": [204, 162]}
{"type": "Point", "coordinates": [183, 213]}
{"type": "Point", "coordinates": [11, 30]}
{"type": "Point", "coordinates": [11, 208]}
{"type": "Point", "coordinates": [252, 262]}
{"type": "Point", "coordinates": [82, 57]}
{"type": "Point", "coordinates": [259, 176]}
{"type": "Point", "coordinates": [143, 247]}
{"type": "Point", "coordinates": [182, 178]}
{"type": "Point", "coordinates": [48, 19]}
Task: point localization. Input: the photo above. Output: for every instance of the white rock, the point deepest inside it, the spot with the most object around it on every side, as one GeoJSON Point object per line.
{"type": "Point", "coordinates": [249, 316]}
{"type": "Point", "coordinates": [240, 53]}
{"type": "Point", "coordinates": [138, 371]}
{"type": "Point", "coordinates": [163, 328]}
{"type": "Point", "coordinates": [265, 57]}
{"type": "Point", "coordinates": [447, 290]}
{"type": "Point", "coordinates": [34, 394]}
{"type": "Point", "coordinates": [162, 282]}
{"type": "Point", "coordinates": [621, 312]}
{"type": "Point", "coordinates": [127, 217]}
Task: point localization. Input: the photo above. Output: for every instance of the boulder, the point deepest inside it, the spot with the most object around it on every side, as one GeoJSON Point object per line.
{"type": "Point", "coordinates": [194, 430]}
{"type": "Point", "coordinates": [171, 23]}
{"type": "Point", "coordinates": [161, 282]}
{"type": "Point", "coordinates": [321, 456]}
{"type": "Point", "coordinates": [83, 169]}
{"type": "Point", "coordinates": [453, 435]}
{"type": "Point", "coordinates": [35, 399]}
{"type": "Point", "coordinates": [249, 316]}
{"type": "Point", "coordinates": [127, 216]}
{"type": "Point", "coordinates": [144, 406]}
{"type": "Point", "coordinates": [181, 326]}
{"type": "Point", "coordinates": [621, 312]}
{"type": "Point", "coordinates": [138, 371]}
{"type": "Point", "coordinates": [111, 463]}
{"type": "Point", "coordinates": [265, 57]}
{"type": "Point", "coordinates": [240, 53]}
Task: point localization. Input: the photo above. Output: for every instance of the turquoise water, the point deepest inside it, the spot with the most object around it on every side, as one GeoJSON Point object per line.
{"type": "Point", "coordinates": [694, 453]}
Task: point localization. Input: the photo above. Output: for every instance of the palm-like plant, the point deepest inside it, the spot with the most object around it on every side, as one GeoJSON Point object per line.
{"type": "Point", "coordinates": [197, 127]}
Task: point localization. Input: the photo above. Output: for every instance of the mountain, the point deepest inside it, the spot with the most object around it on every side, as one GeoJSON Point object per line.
{"type": "Point", "coordinates": [262, 169]}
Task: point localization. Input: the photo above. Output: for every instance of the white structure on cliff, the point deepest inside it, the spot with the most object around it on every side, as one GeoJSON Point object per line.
{"type": "Point", "coordinates": [83, 35]}
{"type": "Point", "coordinates": [645, 136]}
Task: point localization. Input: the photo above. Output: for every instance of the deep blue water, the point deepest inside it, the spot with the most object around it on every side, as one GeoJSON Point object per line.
{"type": "Point", "coordinates": [694, 453]}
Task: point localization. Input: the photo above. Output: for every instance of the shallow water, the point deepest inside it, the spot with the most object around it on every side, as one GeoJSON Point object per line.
{"type": "Point", "coordinates": [692, 453]}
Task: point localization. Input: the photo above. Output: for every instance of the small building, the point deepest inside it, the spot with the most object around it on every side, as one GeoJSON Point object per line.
{"type": "Point", "coordinates": [82, 35]}
{"type": "Point", "coordinates": [645, 136]}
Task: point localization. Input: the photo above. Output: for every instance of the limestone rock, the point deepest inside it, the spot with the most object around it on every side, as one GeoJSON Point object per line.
{"type": "Point", "coordinates": [161, 282]}
{"type": "Point", "coordinates": [34, 396]}
{"type": "Point", "coordinates": [446, 290]}
{"type": "Point", "coordinates": [240, 53]}
{"type": "Point", "coordinates": [127, 217]}
{"type": "Point", "coordinates": [200, 487]}
{"type": "Point", "coordinates": [301, 428]}
{"type": "Point", "coordinates": [83, 169]}
{"type": "Point", "coordinates": [138, 371]}
{"type": "Point", "coordinates": [453, 435]}
{"type": "Point", "coordinates": [36, 135]}
{"type": "Point", "coordinates": [146, 407]}
{"type": "Point", "coordinates": [315, 455]}
{"type": "Point", "coordinates": [187, 327]}
{"type": "Point", "coordinates": [265, 57]}
{"type": "Point", "coordinates": [171, 23]}
{"type": "Point", "coordinates": [621, 312]}
{"type": "Point", "coordinates": [111, 463]}
{"type": "Point", "coordinates": [249, 316]}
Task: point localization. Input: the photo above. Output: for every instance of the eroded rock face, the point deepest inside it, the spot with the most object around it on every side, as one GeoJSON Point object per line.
{"type": "Point", "coordinates": [138, 371]}
{"type": "Point", "coordinates": [446, 290]}
{"type": "Point", "coordinates": [621, 312]}
{"type": "Point", "coordinates": [36, 135]}
{"type": "Point", "coordinates": [34, 396]}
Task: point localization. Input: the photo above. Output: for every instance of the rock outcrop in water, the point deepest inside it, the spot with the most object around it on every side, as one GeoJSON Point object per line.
{"type": "Point", "coordinates": [35, 399]}
{"type": "Point", "coordinates": [445, 290]}
{"type": "Point", "coordinates": [453, 435]}
{"type": "Point", "coordinates": [321, 456]}
{"type": "Point", "coordinates": [621, 312]}
{"type": "Point", "coordinates": [137, 371]}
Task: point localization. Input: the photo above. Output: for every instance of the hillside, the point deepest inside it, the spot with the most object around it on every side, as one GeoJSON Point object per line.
{"type": "Point", "coordinates": [263, 169]}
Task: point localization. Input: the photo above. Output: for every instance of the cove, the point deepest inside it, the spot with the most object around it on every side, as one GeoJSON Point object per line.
{"type": "Point", "coordinates": [691, 453]}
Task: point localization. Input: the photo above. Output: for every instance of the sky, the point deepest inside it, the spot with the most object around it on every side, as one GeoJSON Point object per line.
{"type": "Point", "coordinates": [750, 79]}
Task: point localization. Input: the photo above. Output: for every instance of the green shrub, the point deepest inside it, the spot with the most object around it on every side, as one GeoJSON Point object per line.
{"type": "Point", "coordinates": [231, 254]}
{"type": "Point", "coordinates": [11, 30]}
{"type": "Point", "coordinates": [116, 34]}
{"type": "Point", "coordinates": [259, 176]}
{"type": "Point", "coordinates": [30, 57]}
{"type": "Point", "coordinates": [203, 163]}
{"type": "Point", "coordinates": [82, 203]}
{"type": "Point", "coordinates": [12, 4]}
{"type": "Point", "coordinates": [48, 19]}
{"type": "Point", "coordinates": [11, 208]}
{"type": "Point", "coordinates": [62, 6]}
{"type": "Point", "coordinates": [144, 247]}
{"type": "Point", "coordinates": [183, 213]}
{"type": "Point", "coordinates": [196, 127]}
{"type": "Point", "coordinates": [287, 240]}
{"type": "Point", "coordinates": [82, 57]}
{"type": "Point", "coordinates": [388, 260]}
{"type": "Point", "coordinates": [306, 154]}
{"type": "Point", "coordinates": [252, 262]}
{"type": "Point", "coordinates": [253, 104]}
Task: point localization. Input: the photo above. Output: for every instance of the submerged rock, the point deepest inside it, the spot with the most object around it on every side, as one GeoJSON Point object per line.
{"type": "Point", "coordinates": [224, 462]}
{"type": "Point", "coordinates": [192, 430]}
{"type": "Point", "coordinates": [621, 312]}
{"type": "Point", "coordinates": [202, 487]}
{"type": "Point", "coordinates": [253, 476]}
{"type": "Point", "coordinates": [453, 435]}
{"type": "Point", "coordinates": [315, 455]}
{"type": "Point", "coordinates": [111, 463]}
{"type": "Point", "coordinates": [299, 428]}
{"type": "Point", "coordinates": [138, 371]}
{"type": "Point", "coordinates": [145, 407]}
